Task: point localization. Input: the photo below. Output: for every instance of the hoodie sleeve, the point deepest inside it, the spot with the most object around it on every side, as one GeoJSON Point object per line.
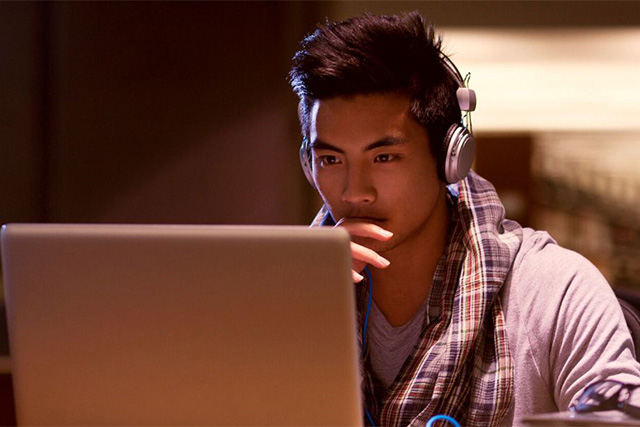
{"type": "Point", "coordinates": [566, 326]}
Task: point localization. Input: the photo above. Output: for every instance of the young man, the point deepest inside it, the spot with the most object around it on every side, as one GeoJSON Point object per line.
{"type": "Point", "coordinates": [472, 315]}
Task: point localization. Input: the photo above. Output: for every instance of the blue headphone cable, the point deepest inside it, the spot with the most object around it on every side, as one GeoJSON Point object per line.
{"type": "Point", "coordinates": [364, 330]}
{"type": "Point", "coordinates": [367, 312]}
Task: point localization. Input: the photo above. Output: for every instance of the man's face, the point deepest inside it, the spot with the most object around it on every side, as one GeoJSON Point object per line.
{"type": "Point", "coordinates": [372, 163]}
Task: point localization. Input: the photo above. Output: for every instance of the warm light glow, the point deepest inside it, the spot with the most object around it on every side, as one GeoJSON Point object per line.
{"type": "Point", "coordinates": [551, 80]}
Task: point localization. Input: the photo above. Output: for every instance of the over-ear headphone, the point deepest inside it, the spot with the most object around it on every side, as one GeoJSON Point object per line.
{"type": "Point", "coordinates": [305, 161]}
{"type": "Point", "coordinates": [458, 147]}
{"type": "Point", "coordinates": [456, 154]}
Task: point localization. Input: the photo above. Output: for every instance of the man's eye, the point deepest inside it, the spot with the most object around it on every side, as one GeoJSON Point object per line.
{"type": "Point", "coordinates": [384, 158]}
{"type": "Point", "coordinates": [328, 160]}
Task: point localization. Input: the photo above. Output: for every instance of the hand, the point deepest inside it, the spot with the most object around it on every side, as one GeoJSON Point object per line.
{"type": "Point", "coordinates": [362, 255]}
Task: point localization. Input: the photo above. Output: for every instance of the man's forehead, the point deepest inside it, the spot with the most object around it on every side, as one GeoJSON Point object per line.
{"type": "Point", "coordinates": [369, 117]}
{"type": "Point", "coordinates": [372, 102]}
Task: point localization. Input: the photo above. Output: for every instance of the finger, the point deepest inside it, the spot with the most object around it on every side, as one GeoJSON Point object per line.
{"type": "Point", "coordinates": [368, 256]}
{"type": "Point", "coordinates": [357, 278]}
{"type": "Point", "coordinates": [365, 229]}
{"type": "Point", "coordinates": [358, 266]}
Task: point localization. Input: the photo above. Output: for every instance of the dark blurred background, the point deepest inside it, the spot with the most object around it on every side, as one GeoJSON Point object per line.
{"type": "Point", "coordinates": [180, 112]}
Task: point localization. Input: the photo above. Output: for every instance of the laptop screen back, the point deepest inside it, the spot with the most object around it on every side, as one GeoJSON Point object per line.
{"type": "Point", "coordinates": [181, 325]}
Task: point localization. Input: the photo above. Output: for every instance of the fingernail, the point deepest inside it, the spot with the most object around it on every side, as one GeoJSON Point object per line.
{"type": "Point", "coordinates": [357, 277]}
{"type": "Point", "coordinates": [386, 233]}
{"type": "Point", "coordinates": [385, 262]}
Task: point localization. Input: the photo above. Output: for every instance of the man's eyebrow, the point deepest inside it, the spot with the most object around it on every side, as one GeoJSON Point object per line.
{"type": "Point", "coordinates": [319, 144]}
{"type": "Point", "coordinates": [386, 142]}
{"type": "Point", "coordinates": [389, 141]}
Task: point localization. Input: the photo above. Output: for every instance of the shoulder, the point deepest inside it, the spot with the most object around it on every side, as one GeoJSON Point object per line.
{"type": "Point", "coordinates": [543, 266]}
{"type": "Point", "coordinates": [564, 317]}
{"type": "Point", "coordinates": [547, 281]}
{"type": "Point", "coordinates": [539, 254]}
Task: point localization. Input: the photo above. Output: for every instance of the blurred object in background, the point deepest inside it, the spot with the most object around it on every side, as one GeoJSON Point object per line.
{"type": "Point", "coordinates": [586, 193]}
{"type": "Point", "coordinates": [581, 187]}
{"type": "Point", "coordinates": [505, 160]}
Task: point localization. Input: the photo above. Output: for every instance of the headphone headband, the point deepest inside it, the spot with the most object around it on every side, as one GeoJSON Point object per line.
{"type": "Point", "coordinates": [466, 97]}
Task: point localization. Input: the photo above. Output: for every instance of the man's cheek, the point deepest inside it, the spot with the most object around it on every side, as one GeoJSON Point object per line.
{"type": "Point", "coordinates": [328, 202]}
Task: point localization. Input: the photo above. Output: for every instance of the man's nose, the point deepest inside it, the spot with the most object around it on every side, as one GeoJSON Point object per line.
{"type": "Point", "coordinates": [358, 187]}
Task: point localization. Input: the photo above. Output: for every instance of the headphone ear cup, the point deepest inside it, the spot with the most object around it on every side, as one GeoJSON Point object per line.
{"type": "Point", "coordinates": [305, 162]}
{"type": "Point", "coordinates": [442, 155]}
{"type": "Point", "coordinates": [456, 154]}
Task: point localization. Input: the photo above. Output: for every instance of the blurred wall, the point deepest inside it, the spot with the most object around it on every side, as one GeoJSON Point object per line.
{"type": "Point", "coordinates": [20, 105]}
{"type": "Point", "coordinates": [149, 112]}
{"type": "Point", "coordinates": [180, 111]}
{"type": "Point", "coordinates": [502, 13]}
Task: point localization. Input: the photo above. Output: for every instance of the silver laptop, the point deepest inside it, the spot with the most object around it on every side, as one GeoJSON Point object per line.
{"type": "Point", "coordinates": [181, 325]}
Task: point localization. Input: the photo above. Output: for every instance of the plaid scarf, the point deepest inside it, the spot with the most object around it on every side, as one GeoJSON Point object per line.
{"type": "Point", "coordinates": [462, 366]}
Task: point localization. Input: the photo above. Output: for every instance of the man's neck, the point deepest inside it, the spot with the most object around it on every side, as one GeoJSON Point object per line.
{"type": "Point", "coordinates": [400, 289]}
